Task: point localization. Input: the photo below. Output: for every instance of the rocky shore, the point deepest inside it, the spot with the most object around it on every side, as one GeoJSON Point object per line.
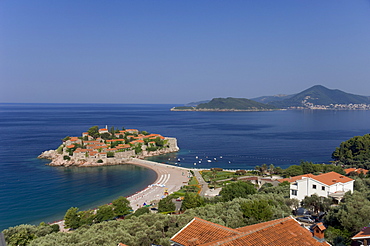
{"type": "Point", "coordinates": [58, 160]}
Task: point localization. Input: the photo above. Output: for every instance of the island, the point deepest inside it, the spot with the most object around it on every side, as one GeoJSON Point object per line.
{"type": "Point", "coordinates": [98, 147]}
{"type": "Point", "coordinates": [228, 104]}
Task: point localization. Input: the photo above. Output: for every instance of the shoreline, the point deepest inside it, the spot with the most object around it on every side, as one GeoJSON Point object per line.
{"type": "Point", "coordinates": [169, 179]}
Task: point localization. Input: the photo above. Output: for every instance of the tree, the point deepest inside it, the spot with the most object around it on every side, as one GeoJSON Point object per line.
{"type": "Point", "coordinates": [104, 212]}
{"type": "Point", "coordinates": [94, 132]}
{"type": "Point", "coordinates": [307, 167]}
{"type": "Point", "coordinates": [121, 206]}
{"type": "Point", "coordinates": [237, 189]}
{"type": "Point", "coordinates": [71, 219]}
{"type": "Point", "coordinates": [192, 200]}
{"type": "Point", "coordinates": [257, 210]}
{"type": "Point", "coordinates": [316, 203]}
{"type": "Point", "coordinates": [20, 235]}
{"type": "Point", "coordinates": [141, 211]}
{"type": "Point", "coordinates": [293, 170]}
{"type": "Point", "coordinates": [86, 217]}
{"type": "Point", "coordinates": [166, 205]}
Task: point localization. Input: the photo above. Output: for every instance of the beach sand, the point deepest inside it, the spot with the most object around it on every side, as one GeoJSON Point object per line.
{"type": "Point", "coordinates": [169, 179]}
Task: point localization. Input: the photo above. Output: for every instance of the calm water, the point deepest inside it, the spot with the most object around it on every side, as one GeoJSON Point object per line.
{"type": "Point", "coordinates": [31, 192]}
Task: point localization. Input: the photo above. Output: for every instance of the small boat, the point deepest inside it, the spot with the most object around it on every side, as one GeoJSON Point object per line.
{"type": "Point", "coordinates": [209, 160]}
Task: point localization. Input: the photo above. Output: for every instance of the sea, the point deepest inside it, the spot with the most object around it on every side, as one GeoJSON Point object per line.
{"type": "Point", "coordinates": [32, 192]}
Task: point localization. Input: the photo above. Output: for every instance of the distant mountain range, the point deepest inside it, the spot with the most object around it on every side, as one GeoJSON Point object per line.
{"type": "Point", "coordinates": [317, 96]}
{"type": "Point", "coordinates": [320, 95]}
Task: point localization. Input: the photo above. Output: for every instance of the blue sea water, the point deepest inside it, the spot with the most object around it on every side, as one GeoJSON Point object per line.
{"type": "Point", "coordinates": [31, 192]}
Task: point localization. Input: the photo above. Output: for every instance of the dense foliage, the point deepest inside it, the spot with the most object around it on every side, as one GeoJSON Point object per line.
{"type": "Point", "coordinates": [354, 152]}
{"type": "Point", "coordinates": [308, 167]}
{"type": "Point", "coordinates": [234, 103]}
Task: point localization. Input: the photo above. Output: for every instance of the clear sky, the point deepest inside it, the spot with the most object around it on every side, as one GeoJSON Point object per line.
{"type": "Point", "coordinates": [76, 51]}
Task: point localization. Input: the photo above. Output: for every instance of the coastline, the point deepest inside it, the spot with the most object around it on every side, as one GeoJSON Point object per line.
{"type": "Point", "coordinates": [169, 179]}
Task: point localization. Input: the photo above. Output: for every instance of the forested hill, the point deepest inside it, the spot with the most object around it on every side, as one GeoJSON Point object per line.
{"type": "Point", "coordinates": [320, 95]}
{"type": "Point", "coordinates": [231, 103]}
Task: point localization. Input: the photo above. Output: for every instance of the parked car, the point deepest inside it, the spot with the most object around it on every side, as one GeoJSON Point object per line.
{"type": "Point", "coordinates": [306, 219]}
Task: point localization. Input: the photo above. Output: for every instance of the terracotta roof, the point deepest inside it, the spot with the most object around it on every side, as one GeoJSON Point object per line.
{"type": "Point", "coordinates": [295, 178]}
{"type": "Point", "coordinates": [73, 139]}
{"type": "Point", "coordinates": [364, 233]}
{"type": "Point", "coordinates": [357, 170]}
{"type": "Point", "coordinates": [71, 146]}
{"type": "Point", "coordinates": [115, 140]}
{"type": "Point", "coordinates": [325, 178]}
{"type": "Point", "coordinates": [280, 232]}
{"type": "Point", "coordinates": [199, 231]}
{"type": "Point", "coordinates": [332, 178]}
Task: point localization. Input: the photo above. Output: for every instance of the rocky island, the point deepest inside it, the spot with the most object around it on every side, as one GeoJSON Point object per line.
{"type": "Point", "coordinates": [98, 147]}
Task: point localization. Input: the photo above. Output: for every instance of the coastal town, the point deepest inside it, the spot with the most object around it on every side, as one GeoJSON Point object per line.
{"type": "Point", "coordinates": [99, 146]}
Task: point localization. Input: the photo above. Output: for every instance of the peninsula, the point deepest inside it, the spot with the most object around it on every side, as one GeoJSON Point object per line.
{"type": "Point", "coordinates": [98, 147]}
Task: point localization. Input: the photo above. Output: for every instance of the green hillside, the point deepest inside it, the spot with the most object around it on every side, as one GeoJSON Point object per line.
{"type": "Point", "coordinates": [320, 95]}
{"type": "Point", "coordinates": [231, 103]}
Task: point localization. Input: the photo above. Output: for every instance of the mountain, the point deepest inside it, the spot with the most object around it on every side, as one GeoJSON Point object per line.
{"type": "Point", "coordinates": [231, 103]}
{"type": "Point", "coordinates": [320, 95]}
{"type": "Point", "coordinates": [268, 99]}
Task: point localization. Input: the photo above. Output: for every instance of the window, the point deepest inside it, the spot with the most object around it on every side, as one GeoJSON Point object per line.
{"type": "Point", "coordinates": [314, 187]}
{"type": "Point", "coordinates": [294, 192]}
{"type": "Point", "coordinates": [322, 187]}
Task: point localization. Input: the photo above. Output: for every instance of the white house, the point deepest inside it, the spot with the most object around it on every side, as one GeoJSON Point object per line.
{"type": "Point", "coordinates": [324, 185]}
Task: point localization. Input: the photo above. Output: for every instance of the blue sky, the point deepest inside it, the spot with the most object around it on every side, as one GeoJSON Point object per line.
{"type": "Point", "coordinates": [180, 51]}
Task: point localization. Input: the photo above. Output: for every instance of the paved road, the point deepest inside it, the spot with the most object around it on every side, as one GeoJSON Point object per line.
{"type": "Point", "coordinates": [203, 184]}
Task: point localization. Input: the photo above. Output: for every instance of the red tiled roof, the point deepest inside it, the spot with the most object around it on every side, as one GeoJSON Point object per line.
{"type": "Point", "coordinates": [364, 233]}
{"type": "Point", "coordinates": [200, 231]}
{"type": "Point", "coordinates": [115, 140]}
{"type": "Point", "coordinates": [325, 178]}
{"type": "Point", "coordinates": [280, 232]}
{"type": "Point", "coordinates": [71, 146]}
{"type": "Point", "coordinates": [357, 170]}
{"type": "Point", "coordinates": [295, 178]}
{"type": "Point", "coordinates": [332, 178]}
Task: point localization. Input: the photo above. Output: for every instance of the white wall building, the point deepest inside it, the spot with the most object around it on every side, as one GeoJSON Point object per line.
{"type": "Point", "coordinates": [324, 185]}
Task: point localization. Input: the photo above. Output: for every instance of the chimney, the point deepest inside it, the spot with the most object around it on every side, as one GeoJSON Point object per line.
{"type": "Point", "coordinates": [318, 232]}
{"type": "Point", "coordinates": [334, 180]}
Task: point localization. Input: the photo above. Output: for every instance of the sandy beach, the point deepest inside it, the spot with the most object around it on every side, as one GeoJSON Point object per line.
{"type": "Point", "coordinates": [170, 179]}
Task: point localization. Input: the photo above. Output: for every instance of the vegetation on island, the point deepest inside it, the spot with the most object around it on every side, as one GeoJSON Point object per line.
{"type": "Point", "coordinates": [354, 152]}
{"type": "Point", "coordinates": [229, 104]}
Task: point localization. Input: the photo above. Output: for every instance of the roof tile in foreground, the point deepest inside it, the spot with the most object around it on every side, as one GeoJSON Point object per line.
{"type": "Point", "coordinates": [280, 232]}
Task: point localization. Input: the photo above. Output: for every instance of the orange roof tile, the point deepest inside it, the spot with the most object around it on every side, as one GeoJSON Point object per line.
{"type": "Point", "coordinates": [295, 178]}
{"type": "Point", "coordinates": [325, 178]}
{"type": "Point", "coordinates": [332, 178]}
{"type": "Point", "coordinates": [280, 232]}
{"type": "Point", "coordinates": [364, 233]}
{"type": "Point", "coordinates": [71, 146]}
{"type": "Point", "coordinates": [357, 170]}
{"type": "Point", "coordinates": [115, 140]}
{"type": "Point", "coordinates": [199, 231]}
